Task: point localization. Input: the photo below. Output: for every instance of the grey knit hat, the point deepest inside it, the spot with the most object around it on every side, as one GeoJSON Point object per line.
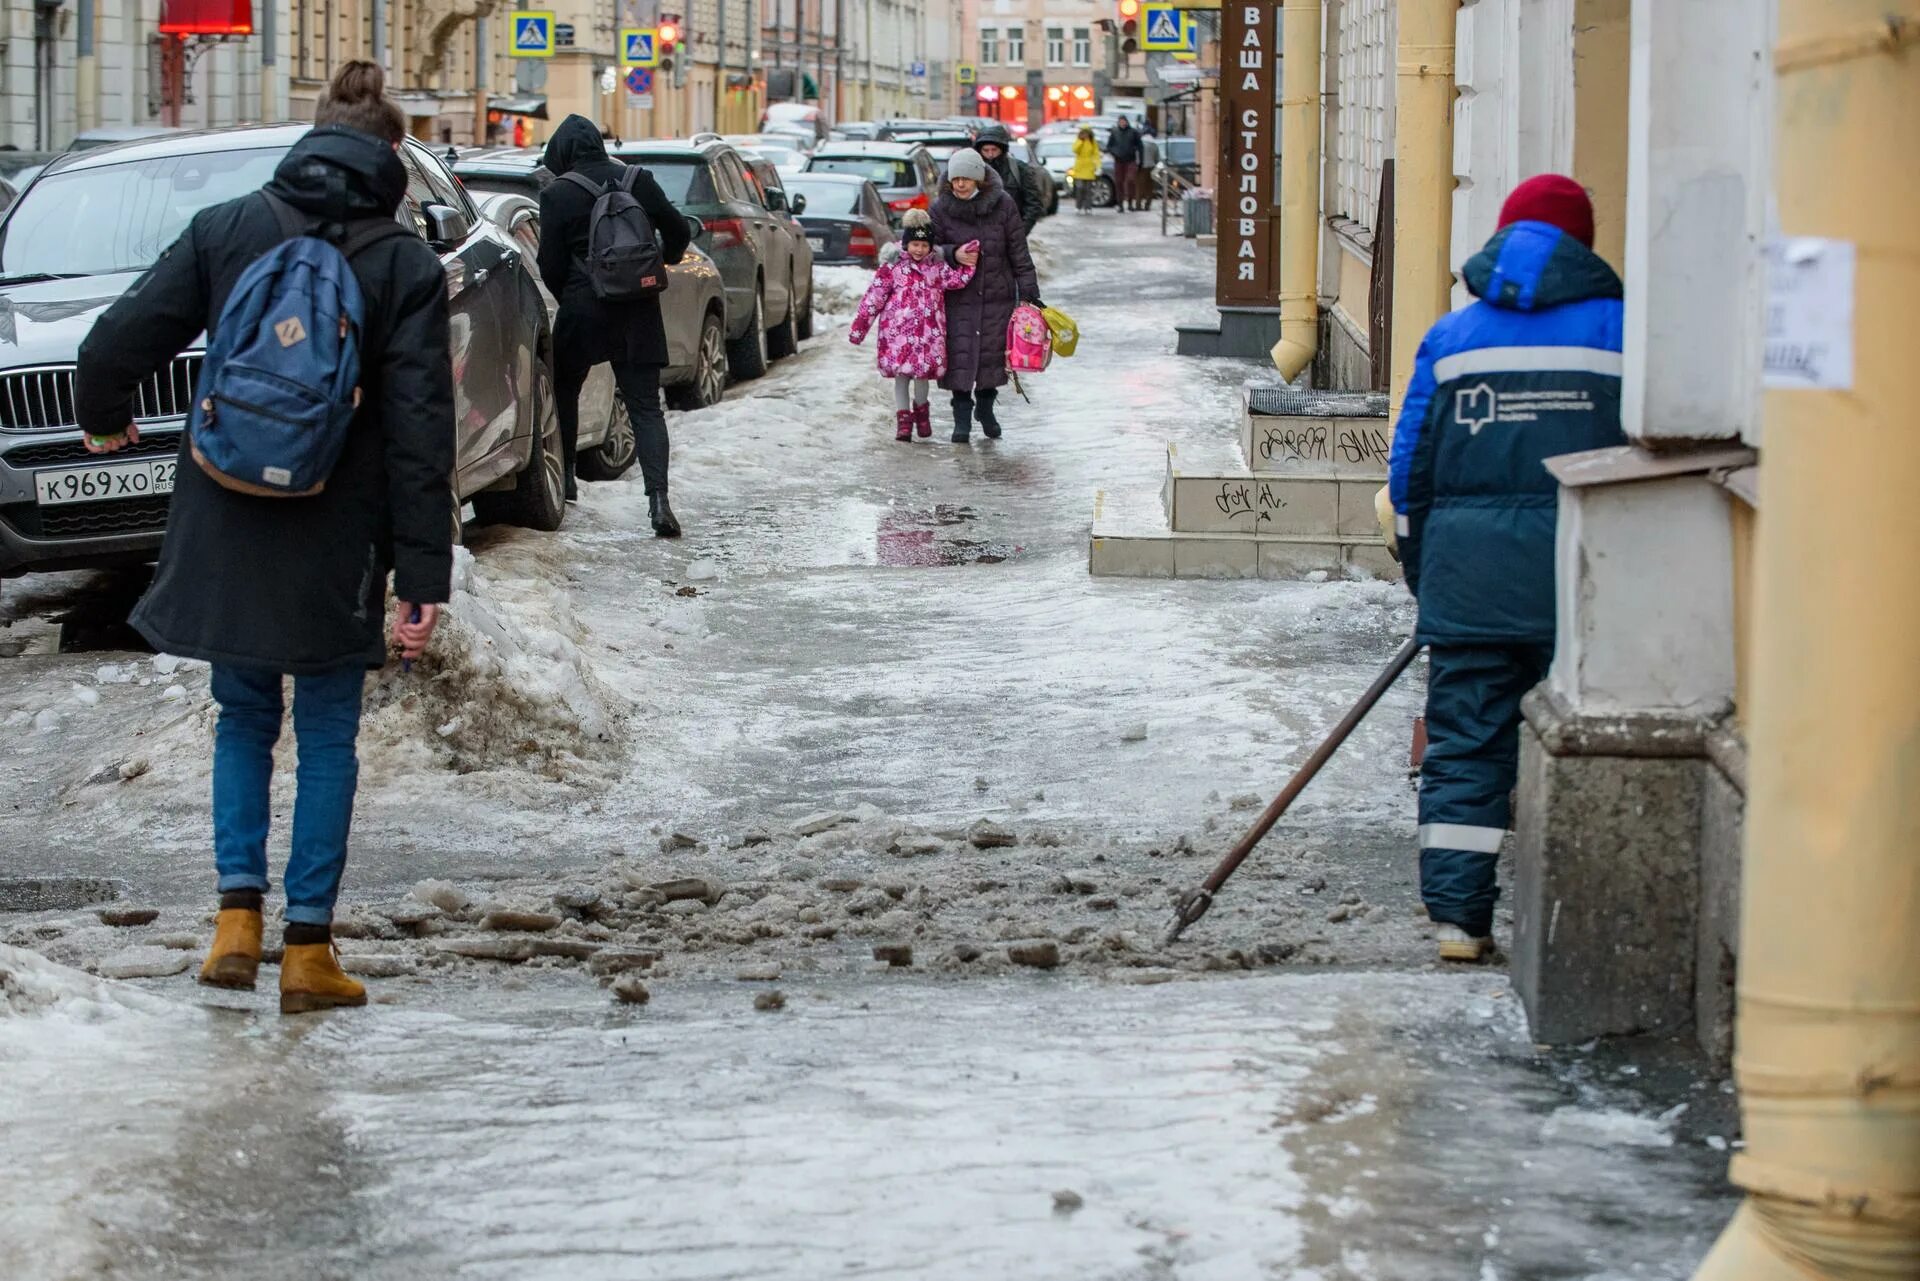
{"type": "Point", "coordinates": [966, 163]}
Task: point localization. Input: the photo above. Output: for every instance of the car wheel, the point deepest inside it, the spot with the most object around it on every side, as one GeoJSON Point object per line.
{"type": "Point", "coordinates": [709, 368]}
{"type": "Point", "coordinates": [610, 459]}
{"type": "Point", "coordinates": [747, 354]}
{"type": "Point", "coordinates": [538, 499]}
{"type": "Point", "coordinates": [781, 339]}
{"type": "Point", "coordinates": [805, 325]}
{"type": "Point", "coordinates": [1103, 192]}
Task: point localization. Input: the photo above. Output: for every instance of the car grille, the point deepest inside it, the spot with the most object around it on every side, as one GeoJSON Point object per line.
{"type": "Point", "coordinates": [73, 451]}
{"type": "Point", "coordinates": [32, 399]}
{"type": "Point", "coordinates": [89, 520]}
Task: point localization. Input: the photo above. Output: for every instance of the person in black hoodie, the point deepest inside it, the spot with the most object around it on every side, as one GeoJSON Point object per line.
{"type": "Point", "coordinates": [268, 587]}
{"type": "Point", "coordinates": [995, 146]}
{"type": "Point", "coordinates": [1127, 150]}
{"type": "Point", "coordinates": [589, 331]}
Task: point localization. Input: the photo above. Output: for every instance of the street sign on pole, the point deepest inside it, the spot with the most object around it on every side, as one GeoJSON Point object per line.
{"type": "Point", "coordinates": [639, 80]}
{"type": "Point", "coordinates": [640, 47]}
{"type": "Point", "coordinates": [640, 101]}
{"type": "Point", "coordinates": [1162, 28]}
{"type": "Point", "coordinates": [963, 73]}
{"type": "Point", "coordinates": [532, 33]}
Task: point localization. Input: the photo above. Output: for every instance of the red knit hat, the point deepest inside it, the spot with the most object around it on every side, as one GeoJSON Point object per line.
{"type": "Point", "coordinates": [1552, 198]}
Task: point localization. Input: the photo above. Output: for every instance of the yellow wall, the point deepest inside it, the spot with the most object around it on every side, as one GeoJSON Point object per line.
{"type": "Point", "coordinates": [1356, 287]}
{"type": "Point", "coordinates": [1601, 56]}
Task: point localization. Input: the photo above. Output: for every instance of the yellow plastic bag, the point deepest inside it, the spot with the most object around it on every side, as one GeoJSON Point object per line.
{"type": "Point", "coordinates": [1066, 334]}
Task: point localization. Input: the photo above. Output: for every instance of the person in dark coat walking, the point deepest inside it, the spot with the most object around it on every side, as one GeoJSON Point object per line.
{"type": "Point", "coordinates": [591, 332]}
{"type": "Point", "coordinates": [977, 224]}
{"type": "Point", "coordinates": [1126, 148]}
{"type": "Point", "coordinates": [267, 587]}
{"type": "Point", "coordinates": [1530, 370]}
{"type": "Point", "coordinates": [995, 146]}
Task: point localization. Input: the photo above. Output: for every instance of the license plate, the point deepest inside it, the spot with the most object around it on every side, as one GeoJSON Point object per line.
{"type": "Point", "coordinates": [102, 482]}
{"type": "Point", "coordinates": [816, 243]}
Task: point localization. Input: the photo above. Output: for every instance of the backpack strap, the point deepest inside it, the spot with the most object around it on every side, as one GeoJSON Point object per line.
{"type": "Point", "coordinates": [360, 233]}
{"type": "Point", "coordinates": [369, 231]}
{"type": "Point", "coordinates": [292, 221]}
{"type": "Point", "coordinates": [581, 180]}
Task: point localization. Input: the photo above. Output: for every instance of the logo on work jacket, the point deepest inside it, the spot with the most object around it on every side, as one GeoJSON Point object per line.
{"type": "Point", "coordinates": [1475, 407]}
{"type": "Point", "coordinates": [290, 331]}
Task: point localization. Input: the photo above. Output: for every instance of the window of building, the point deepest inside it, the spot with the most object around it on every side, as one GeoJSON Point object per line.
{"type": "Point", "coordinates": [1056, 46]}
{"type": "Point", "coordinates": [1016, 46]}
{"type": "Point", "coordinates": [989, 46]}
{"type": "Point", "coordinates": [1366, 90]}
{"type": "Point", "coordinates": [1083, 46]}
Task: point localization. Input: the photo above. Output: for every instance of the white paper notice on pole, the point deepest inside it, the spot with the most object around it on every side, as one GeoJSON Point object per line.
{"type": "Point", "coordinates": [1809, 314]}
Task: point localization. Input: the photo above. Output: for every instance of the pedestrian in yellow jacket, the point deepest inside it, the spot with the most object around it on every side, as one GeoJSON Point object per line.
{"type": "Point", "coordinates": [1086, 169]}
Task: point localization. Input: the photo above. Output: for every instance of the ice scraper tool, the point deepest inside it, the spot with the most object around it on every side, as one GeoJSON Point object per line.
{"type": "Point", "coordinates": [1195, 905]}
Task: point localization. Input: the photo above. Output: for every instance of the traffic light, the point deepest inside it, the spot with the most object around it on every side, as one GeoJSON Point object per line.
{"type": "Point", "coordinates": [1129, 26]}
{"type": "Point", "coordinates": [665, 38]}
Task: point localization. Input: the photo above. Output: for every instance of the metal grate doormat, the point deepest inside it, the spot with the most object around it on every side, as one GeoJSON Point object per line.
{"type": "Point", "coordinates": [1277, 400]}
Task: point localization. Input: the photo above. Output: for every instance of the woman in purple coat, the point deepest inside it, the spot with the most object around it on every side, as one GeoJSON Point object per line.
{"type": "Point", "coordinates": [977, 224]}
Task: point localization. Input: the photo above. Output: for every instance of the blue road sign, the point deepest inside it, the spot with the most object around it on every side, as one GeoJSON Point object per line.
{"type": "Point", "coordinates": [532, 33]}
{"type": "Point", "coordinates": [639, 47]}
{"type": "Point", "coordinates": [1162, 29]}
{"type": "Point", "coordinates": [917, 69]}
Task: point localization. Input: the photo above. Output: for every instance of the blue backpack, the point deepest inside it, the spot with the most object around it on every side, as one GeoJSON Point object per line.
{"type": "Point", "coordinates": [281, 380]}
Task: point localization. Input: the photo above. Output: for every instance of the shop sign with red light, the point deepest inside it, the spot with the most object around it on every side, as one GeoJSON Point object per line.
{"type": "Point", "coordinates": [206, 18]}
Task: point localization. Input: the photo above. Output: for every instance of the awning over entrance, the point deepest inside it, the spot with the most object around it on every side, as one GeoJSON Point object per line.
{"type": "Point", "coordinates": [418, 106]}
{"type": "Point", "coordinates": [534, 105]}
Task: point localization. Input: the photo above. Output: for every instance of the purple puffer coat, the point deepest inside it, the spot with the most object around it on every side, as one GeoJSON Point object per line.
{"type": "Point", "coordinates": [977, 315]}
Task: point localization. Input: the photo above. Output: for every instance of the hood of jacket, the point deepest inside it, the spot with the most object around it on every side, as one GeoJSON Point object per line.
{"type": "Point", "coordinates": [983, 200]}
{"type": "Point", "coordinates": [575, 143]}
{"type": "Point", "coordinates": [1528, 266]}
{"type": "Point", "coordinates": [341, 173]}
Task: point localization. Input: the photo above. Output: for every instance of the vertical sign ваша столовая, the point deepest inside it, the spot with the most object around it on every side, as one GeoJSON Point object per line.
{"type": "Point", "coordinates": [1244, 212]}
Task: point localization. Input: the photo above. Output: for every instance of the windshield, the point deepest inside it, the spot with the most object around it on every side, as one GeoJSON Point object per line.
{"type": "Point", "coordinates": [90, 222]}
{"type": "Point", "coordinates": [677, 177]}
{"type": "Point", "coordinates": [826, 197]}
{"type": "Point", "coordinates": [878, 170]}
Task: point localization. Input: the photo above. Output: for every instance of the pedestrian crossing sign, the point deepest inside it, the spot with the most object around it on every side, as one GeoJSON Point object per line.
{"type": "Point", "coordinates": [1164, 29]}
{"type": "Point", "coordinates": [963, 73]}
{"type": "Point", "coordinates": [640, 47]}
{"type": "Point", "coordinates": [532, 33]}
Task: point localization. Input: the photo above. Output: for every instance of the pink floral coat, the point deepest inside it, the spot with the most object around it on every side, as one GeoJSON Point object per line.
{"type": "Point", "coordinates": [908, 299]}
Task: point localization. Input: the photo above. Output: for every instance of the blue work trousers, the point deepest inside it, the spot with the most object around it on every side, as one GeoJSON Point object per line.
{"type": "Point", "coordinates": [326, 723]}
{"type": "Point", "coordinates": [1467, 776]}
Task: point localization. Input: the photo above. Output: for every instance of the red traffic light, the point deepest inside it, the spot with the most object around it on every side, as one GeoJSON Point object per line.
{"type": "Point", "coordinates": [1129, 8]}
{"type": "Point", "coordinates": [668, 33]}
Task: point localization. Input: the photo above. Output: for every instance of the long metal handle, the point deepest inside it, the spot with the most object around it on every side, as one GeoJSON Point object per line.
{"type": "Point", "coordinates": [1195, 905]}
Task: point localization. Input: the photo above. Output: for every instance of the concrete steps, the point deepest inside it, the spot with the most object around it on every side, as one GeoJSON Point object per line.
{"type": "Point", "coordinates": [1306, 505]}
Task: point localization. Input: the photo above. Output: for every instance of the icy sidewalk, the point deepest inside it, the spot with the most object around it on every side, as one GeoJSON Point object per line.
{"type": "Point", "coordinates": [1305, 1128]}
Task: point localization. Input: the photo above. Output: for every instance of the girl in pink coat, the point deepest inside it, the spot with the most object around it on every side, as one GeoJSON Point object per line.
{"type": "Point", "coordinates": [907, 297]}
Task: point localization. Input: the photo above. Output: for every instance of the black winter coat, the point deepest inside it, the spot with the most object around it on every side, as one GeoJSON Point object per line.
{"type": "Point", "coordinates": [297, 584]}
{"type": "Point", "coordinates": [589, 331]}
{"type": "Point", "coordinates": [1023, 186]}
{"type": "Point", "coordinates": [977, 315]}
{"type": "Point", "coordinates": [1125, 146]}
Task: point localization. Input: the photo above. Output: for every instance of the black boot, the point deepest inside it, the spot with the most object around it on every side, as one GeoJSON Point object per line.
{"type": "Point", "coordinates": [983, 410]}
{"type": "Point", "coordinates": [664, 525]}
{"type": "Point", "coordinates": [962, 417]}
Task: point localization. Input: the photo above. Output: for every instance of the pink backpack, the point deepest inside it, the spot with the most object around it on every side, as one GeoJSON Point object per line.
{"type": "Point", "coordinates": [1029, 340]}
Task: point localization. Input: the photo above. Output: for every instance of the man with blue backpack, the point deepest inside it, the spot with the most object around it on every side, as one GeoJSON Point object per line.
{"type": "Point", "coordinates": [1529, 371]}
{"type": "Point", "coordinates": [318, 458]}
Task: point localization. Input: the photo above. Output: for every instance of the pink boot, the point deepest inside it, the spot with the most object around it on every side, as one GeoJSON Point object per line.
{"type": "Point", "coordinates": [903, 424]}
{"type": "Point", "coordinates": [923, 419]}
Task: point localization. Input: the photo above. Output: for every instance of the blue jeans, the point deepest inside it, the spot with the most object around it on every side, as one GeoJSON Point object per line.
{"type": "Point", "coordinates": [326, 721]}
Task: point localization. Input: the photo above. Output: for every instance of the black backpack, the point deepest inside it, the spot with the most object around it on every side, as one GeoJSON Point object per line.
{"type": "Point", "coordinates": [623, 261]}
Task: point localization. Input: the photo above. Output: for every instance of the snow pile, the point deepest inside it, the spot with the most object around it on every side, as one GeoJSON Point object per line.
{"type": "Point", "coordinates": [837, 291]}
{"type": "Point", "coordinates": [1609, 1127]}
{"type": "Point", "coordinates": [30, 984]}
{"type": "Point", "coordinates": [507, 682]}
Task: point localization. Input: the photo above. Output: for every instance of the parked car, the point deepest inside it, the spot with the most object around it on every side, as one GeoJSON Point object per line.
{"type": "Point", "coordinates": [18, 168]}
{"type": "Point", "coordinates": [853, 131]}
{"type": "Point", "coordinates": [1053, 153]}
{"type": "Point", "coordinates": [1182, 156]}
{"type": "Point", "coordinates": [845, 219]}
{"type": "Point", "coordinates": [940, 140]}
{"type": "Point", "coordinates": [906, 173]}
{"type": "Point", "coordinates": [506, 183]}
{"type": "Point", "coordinates": [763, 258]}
{"type": "Point", "coordinates": [785, 210]}
{"type": "Point", "coordinates": [810, 118]}
{"type": "Point", "coordinates": [94, 221]}
{"type": "Point", "coordinates": [784, 150]}
{"type": "Point", "coordinates": [112, 135]}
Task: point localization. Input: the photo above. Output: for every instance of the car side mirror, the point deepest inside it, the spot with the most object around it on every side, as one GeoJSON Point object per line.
{"type": "Point", "coordinates": [799, 204]}
{"type": "Point", "coordinates": [446, 225]}
{"type": "Point", "coordinates": [695, 228]}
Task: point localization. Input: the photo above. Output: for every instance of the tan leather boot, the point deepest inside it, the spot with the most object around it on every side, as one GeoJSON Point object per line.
{"type": "Point", "coordinates": [234, 958]}
{"type": "Point", "coordinates": [311, 979]}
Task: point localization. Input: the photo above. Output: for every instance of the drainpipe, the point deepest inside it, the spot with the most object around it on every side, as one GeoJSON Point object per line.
{"type": "Point", "coordinates": [482, 75]}
{"type": "Point", "coordinates": [269, 61]}
{"type": "Point", "coordinates": [86, 68]}
{"type": "Point", "coordinates": [380, 33]}
{"type": "Point", "coordinates": [1422, 179]}
{"type": "Point", "coordinates": [1829, 992]}
{"type": "Point", "coordinates": [1299, 187]}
